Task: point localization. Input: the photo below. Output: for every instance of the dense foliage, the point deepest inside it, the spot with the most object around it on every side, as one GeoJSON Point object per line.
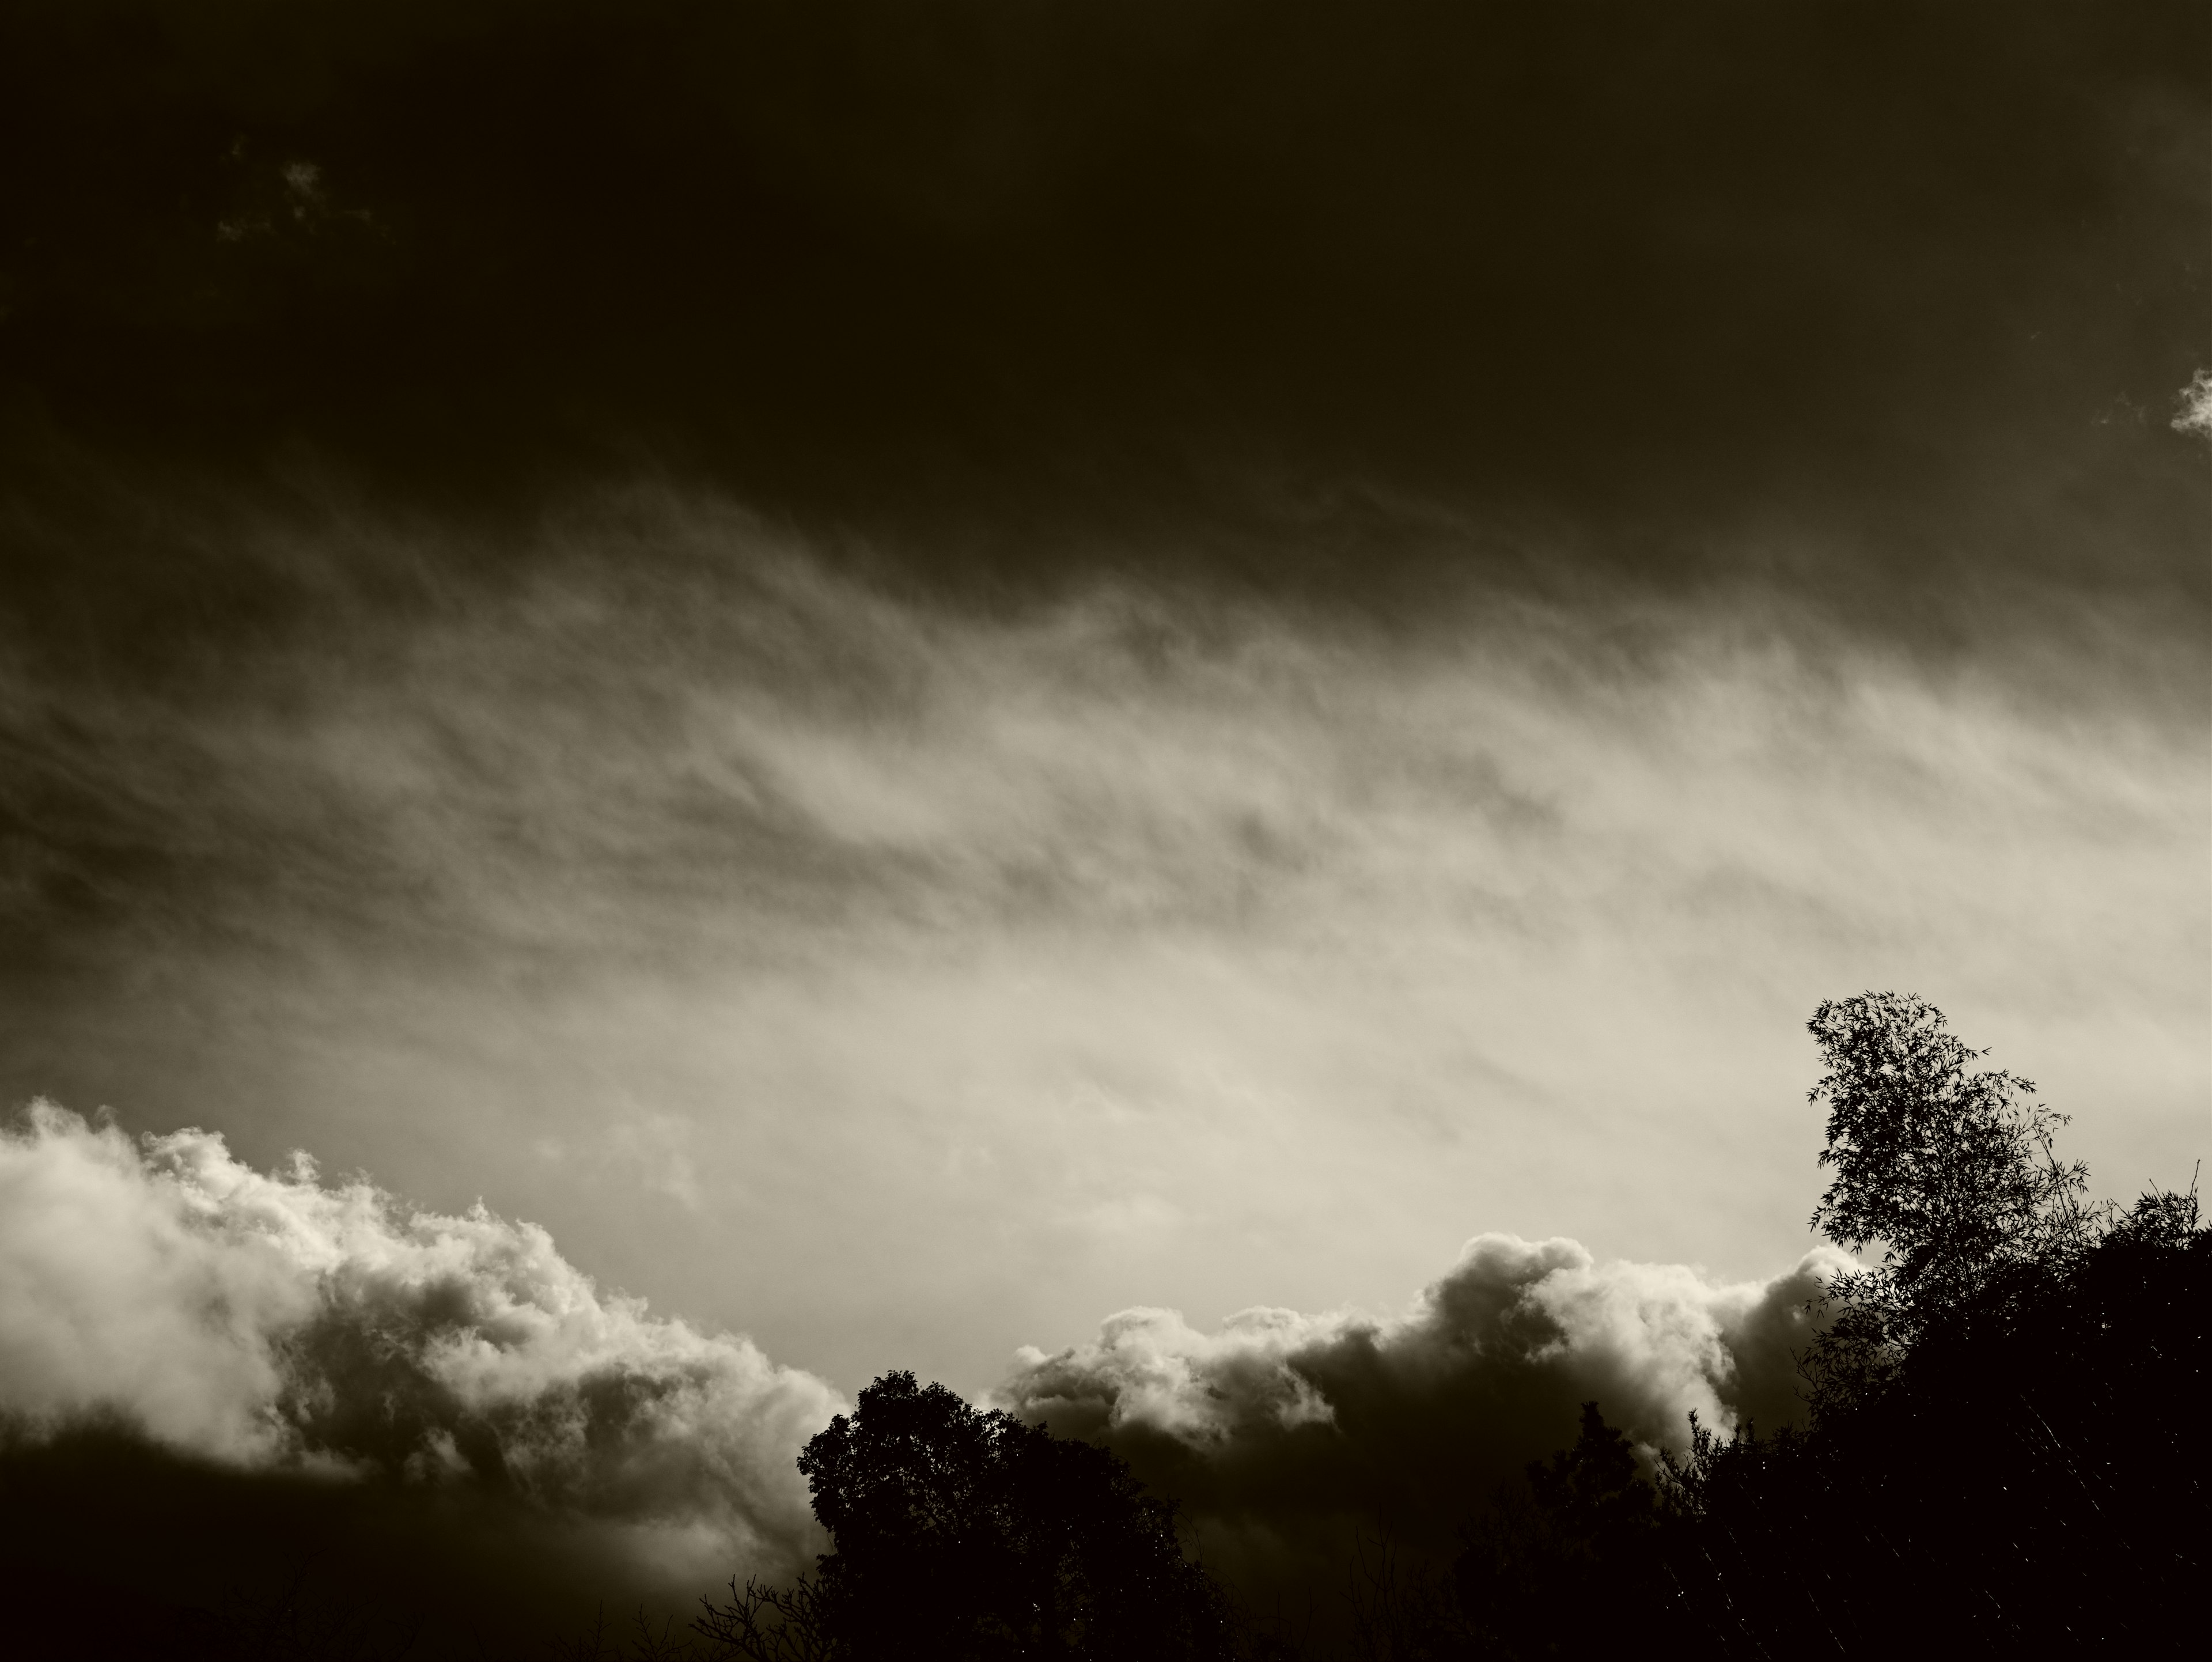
{"type": "Point", "coordinates": [2027, 1481]}
{"type": "Point", "coordinates": [962, 1534]}
{"type": "Point", "coordinates": [2001, 1456]}
{"type": "Point", "coordinates": [1565, 1565]}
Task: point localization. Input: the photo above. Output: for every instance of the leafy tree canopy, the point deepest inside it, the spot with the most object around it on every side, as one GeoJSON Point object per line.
{"type": "Point", "coordinates": [1951, 1172]}
{"type": "Point", "coordinates": [967, 1534]}
{"type": "Point", "coordinates": [2003, 1454]}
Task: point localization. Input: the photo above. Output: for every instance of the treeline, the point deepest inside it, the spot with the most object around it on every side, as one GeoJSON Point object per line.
{"type": "Point", "coordinates": [1999, 1456]}
{"type": "Point", "coordinates": [2005, 1446]}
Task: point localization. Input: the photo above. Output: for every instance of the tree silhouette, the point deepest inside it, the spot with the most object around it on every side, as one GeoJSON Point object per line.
{"type": "Point", "coordinates": [1952, 1174]}
{"type": "Point", "coordinates": [2004, 1455]}
{"type": "Point", "coordinates": [1567, 1564]}
{"type": "Point", "coordinates": [962, 1534]}
{"type": "Point", "coordinates": [765, 1623]}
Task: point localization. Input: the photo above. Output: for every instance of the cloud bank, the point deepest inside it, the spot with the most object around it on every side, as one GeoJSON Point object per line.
{"type": "Point", "coordinates": [326, 1346]}
{"type": "Point", "coordinates": [1284, 1432]}
{"type": "Point", "coordinates": [272, 1326]}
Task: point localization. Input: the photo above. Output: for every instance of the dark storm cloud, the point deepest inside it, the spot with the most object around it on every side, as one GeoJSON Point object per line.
{"type": "Point", "coordinates": [1833, 290]}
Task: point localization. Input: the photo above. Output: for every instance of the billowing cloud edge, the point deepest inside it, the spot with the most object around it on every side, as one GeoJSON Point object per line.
{"type": "Point", "coordinates": [1409, 1420]}
{"type": "Point", "coordinates": [276, 1324]}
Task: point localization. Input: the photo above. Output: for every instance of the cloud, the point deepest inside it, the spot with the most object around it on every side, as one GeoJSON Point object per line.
{"type": "Point", "coordinates": [2193, 407]}
{"type": "Point", "coordinates": [289, 1360]}
{"type": "Point", "coordinates": [962, 972]}
{"type": "Point", "coordinates": [272, 1326]}
{"type": "Point", "coordinates": [1283, 1430]}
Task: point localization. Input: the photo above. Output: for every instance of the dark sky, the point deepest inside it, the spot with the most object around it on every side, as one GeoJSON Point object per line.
{"type": "Point", "coordinates": [922, 671]}
{"type": "Point", "coordinates": [1008, 282]}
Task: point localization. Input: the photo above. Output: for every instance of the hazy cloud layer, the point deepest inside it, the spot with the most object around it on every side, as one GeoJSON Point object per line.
{"type": "Point", "coordinates": [723, 906]}
{"type": "Point", "coordinates": [1001, 662]}
{"type": "Point", "coordinates": [272, 1324]}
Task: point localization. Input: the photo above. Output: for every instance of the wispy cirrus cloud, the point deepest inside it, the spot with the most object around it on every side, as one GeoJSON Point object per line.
{"type": "Point", "coordinates": [1121, 935]}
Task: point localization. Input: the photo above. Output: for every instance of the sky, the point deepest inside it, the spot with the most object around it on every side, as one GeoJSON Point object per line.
{"type": "Point", "coordinates": [979, 687]}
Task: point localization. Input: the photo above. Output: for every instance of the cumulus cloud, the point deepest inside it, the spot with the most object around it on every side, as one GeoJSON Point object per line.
{"type": "Point", "coordinates": [273, 1325]}
{"type": "Point", "coordinates": [339, 1347]}
{"type": "Point", "coordinates": [1281, 1430]}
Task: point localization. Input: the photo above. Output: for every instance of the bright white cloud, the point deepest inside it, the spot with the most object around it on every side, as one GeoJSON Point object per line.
{"type": "Point", "coordinates": [1654, 1343]}
{"type": "Point", "coordinates": [277, 1324]}
{"type": "Point", "coordinates": [272, 1322]}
